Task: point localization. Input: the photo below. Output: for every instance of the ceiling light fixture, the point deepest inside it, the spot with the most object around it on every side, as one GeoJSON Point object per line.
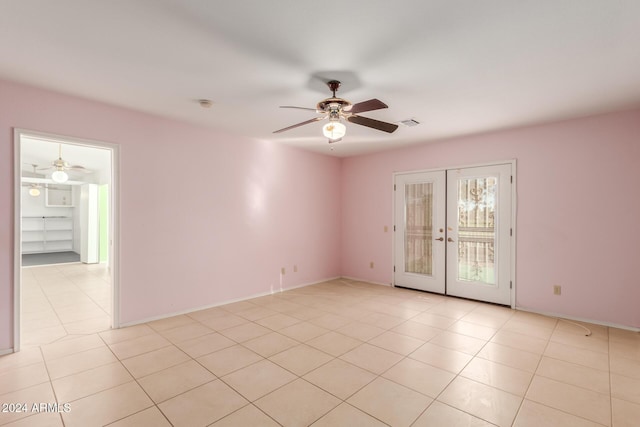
{"type": "Point", "coordinates": [334, 130]}
{"type": "Point", "coordinates": [59, 176]}
{"type": "Point", "coordinates": [34, 189]}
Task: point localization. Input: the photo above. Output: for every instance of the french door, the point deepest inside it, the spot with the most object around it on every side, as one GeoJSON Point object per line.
{"type": "Point", "coordinates": [420, 203]}
{"type": "Point", "coordinates": [453, 232]}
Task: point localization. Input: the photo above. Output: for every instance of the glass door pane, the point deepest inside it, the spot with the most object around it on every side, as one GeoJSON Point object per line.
{"type": "Point", "coordinates": [419, 231]}
{"type": "Point", "coordinates": [418, 236]}
{"type": "Point", "coordinates": [476, 229]}
{"type": "Point", "coordinates": [478, 233]}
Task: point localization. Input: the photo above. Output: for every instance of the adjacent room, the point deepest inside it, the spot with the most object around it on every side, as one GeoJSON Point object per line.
{"type": "Point", "coordinates": [294, 213]}
{"type": "Point", "coordinates": [66, 280]}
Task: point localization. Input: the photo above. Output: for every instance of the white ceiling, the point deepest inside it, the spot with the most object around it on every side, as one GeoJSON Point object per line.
{"type": "Point", "coordinates": [457, 66]}
{"type": "Point", "coordinates": [42, 152]}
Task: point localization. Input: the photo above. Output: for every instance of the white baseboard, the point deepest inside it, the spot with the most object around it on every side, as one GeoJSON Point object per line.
{"type": "Point", "coordinates": [218, 304]}
{"type": "Point", "coordinates": [579, 319]}
{"type": "Point", "coordinates": [6, 351]}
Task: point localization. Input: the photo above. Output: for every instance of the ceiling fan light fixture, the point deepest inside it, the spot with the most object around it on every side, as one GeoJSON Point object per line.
{"type": "Point", "coordinates": [59, 176]}
{"type": "Point", "coordinates": [34, 191]}
{"type": "Point", "coordinates": [334, 130]}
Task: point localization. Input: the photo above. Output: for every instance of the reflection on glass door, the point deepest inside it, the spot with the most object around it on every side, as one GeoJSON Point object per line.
{"type": "Point", "coordinates": [476, 229]}
{"type": "Point", "coordinates": [419, 234]}
{"type": "Point", "coordinates": [478, 233]}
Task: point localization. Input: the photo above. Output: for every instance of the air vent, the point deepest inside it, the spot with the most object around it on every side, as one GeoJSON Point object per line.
{"type": "Point", "coordinates": [410, 122]}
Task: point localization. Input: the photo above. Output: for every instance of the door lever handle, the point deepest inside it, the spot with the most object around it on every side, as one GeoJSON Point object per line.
{"type": "Point", "coordinates": [449, 239]}
{"type": "Point", "coordinates": [440, 239]}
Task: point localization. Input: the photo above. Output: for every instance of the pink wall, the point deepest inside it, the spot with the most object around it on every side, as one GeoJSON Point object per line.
{"type": "Point", "coordinates": [218, 226]}
{"type": "Point", "coordinates": [238, 210]}
{"type": "Point", "coordinates": [577, 218]}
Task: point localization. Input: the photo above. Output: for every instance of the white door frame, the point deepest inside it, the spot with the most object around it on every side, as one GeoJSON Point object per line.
{"type": "Point", "coordinates": [114, 223]}
{"type": "Point", "coordinates": [514, 205]}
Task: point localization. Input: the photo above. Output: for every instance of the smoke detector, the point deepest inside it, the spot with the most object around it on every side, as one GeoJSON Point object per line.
{"type": "Point", "coordinates": [205, 103]}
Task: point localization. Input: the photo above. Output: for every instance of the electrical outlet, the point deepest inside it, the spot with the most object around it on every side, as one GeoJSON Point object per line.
{"type": "Point", "coordinates": [282, 271]}
{"type": "Point", "coordinates": [371, 264]}
{"type": "Point", "coordinates": [557, 290]}
{"type": "Point", "coordinates": [295, 268]}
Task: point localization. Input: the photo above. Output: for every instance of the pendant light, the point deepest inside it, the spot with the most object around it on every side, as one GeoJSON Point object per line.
{"type": "Point", "coordinates": [59, 176]}
{"type": "Point", "coordinates": [334, 130]}
{"type": "Point", "coordinates": [34, 189]}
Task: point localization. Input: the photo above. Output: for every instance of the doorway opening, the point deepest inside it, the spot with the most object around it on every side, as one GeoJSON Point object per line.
{"type": "Point", "coordinates": [455, 232]}
{"type": "Point", "coordinates": [66, 251]}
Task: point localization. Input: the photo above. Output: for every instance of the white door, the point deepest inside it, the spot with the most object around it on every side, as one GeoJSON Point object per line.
{"type": "Point", "coordinates": [420, 231]}
{"type": "Point", "coordinates": [453, 232]}
{"type": "Point", "coordinates": [479, 233]}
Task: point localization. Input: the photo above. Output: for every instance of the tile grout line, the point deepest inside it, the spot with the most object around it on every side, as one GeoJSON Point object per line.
{"type": "Point", "coordinates": [524, 397]}
{"type": "Point", "coordinates": [377, 376]}
{"type": "Point", "coordinates": [139, 385]}
{"type": "Point", "coordinates": [536, 374]}
{"type": "Point", "coordinates": [610, 379]}
{"type": "Point", "coordinates": [457, 375]}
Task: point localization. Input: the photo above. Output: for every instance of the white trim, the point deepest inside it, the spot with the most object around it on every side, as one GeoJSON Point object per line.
{"type": "Point", "coordinates": [393, 229]}
{"type": "Point", "coordinates": [473, 165]}
{"type": "Point", "coordinates": [514, 206]}
{"type": "Point", "coordinates": [114, 225]}
{"type": "Point", "coordinates": [579, 319]}
{"type": "Point", "coordinates": [17, 239]}
{"type": "Point", "coordinates": [514, 227]}
{"type": "Point", "coordinates": [114, 235]}
{"type": "Point", "coordinates": [6, 351]}
{"type": "Point", "coordinates": [218, 304]}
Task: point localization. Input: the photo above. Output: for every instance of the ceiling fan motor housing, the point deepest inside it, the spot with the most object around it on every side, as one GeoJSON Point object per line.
{"type": "Point", "coordinates": [332, 105]}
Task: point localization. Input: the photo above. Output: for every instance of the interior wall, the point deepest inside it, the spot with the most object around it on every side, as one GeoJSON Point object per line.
{"type": "Point", "coordinates": [222, 222]}
{"type": "Point", "coordinates": [577, 212]}
{"type": "Point", "coordinates": [206, 217]}
{"type": "Point", "coordinates": [36, 206]}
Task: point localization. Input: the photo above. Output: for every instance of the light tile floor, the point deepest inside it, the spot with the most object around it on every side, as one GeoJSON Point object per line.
{"type": "Point", "coordinates": [340, 353]}
{"type": "Point", "coordinates": [61, 300]}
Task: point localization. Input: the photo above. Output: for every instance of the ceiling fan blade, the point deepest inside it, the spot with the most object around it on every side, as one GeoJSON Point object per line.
{"type": "Point", "coordinates": [316, 119]}
{"type": "Point", "coordinates": [298, 108]}
{"type": "Point", "coordinates": [78, 168]}
{"type": "Point", "coordinates": [45, 169]}
{"type": "Point", "coordinates": [370, 105]}
{"type": "Point", "coordinates": [371, 123]}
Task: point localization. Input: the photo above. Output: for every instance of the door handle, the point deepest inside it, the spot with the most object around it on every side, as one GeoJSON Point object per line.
{"type": "Point", "coordinates": [440, 239]}
{"type": "Point", "coordinates": [449, 239]}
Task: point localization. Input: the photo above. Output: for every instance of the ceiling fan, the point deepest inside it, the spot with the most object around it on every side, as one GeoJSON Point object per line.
{"type": "Point", "coordinates": [338, 109]}
{"type": "Point", "coordinates": [61, 166]}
